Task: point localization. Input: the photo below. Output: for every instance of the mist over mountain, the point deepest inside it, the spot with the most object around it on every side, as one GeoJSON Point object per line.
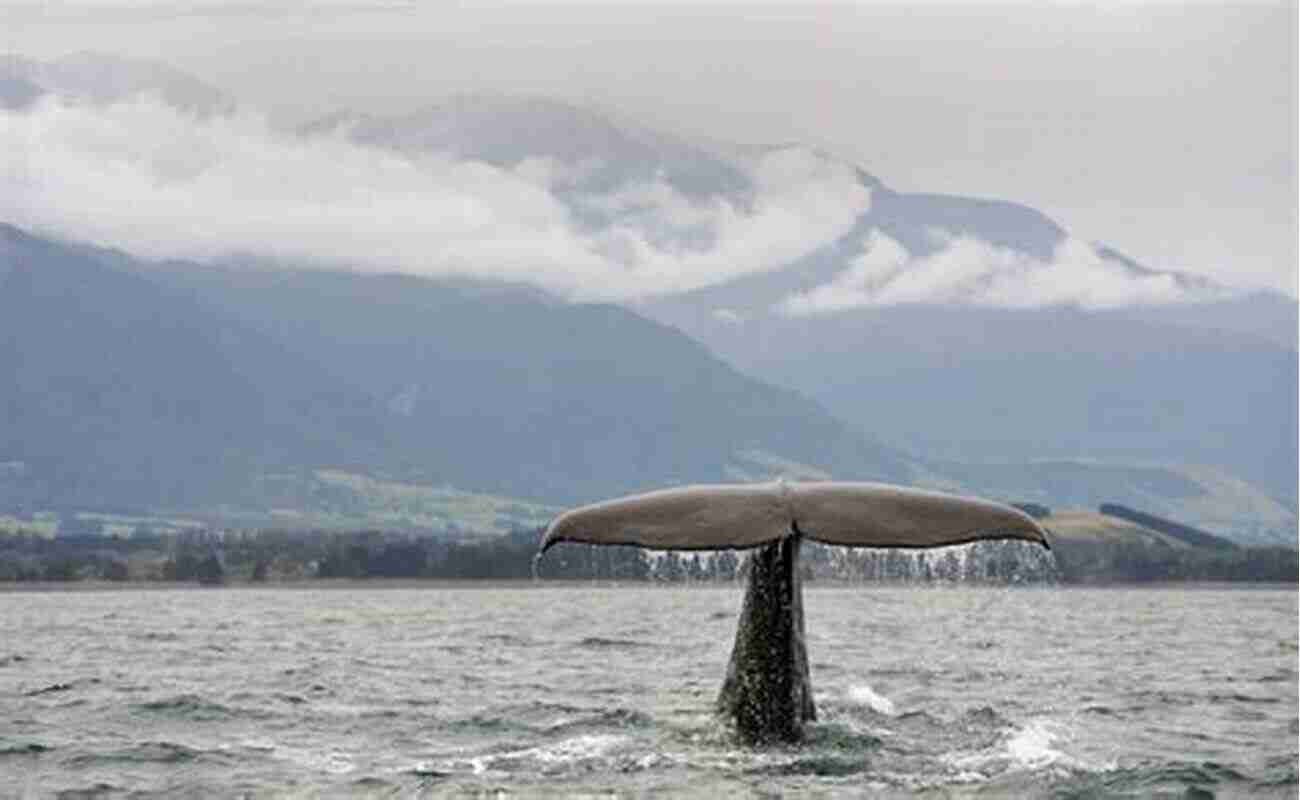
{"type": "Point", "coordinates": [102, 79]}
{"type": "Point", "coordinates": [418, 275]}
{"type": "Point", "coordinates": [533, 190]}
{"type": "Point", "coordinates": [599, 152]}
{"type": "Point", "coordinates": [901, 248]}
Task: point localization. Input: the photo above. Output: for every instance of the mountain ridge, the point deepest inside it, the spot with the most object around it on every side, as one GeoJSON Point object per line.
{"type": "Point", "coordinates": [396, 375]}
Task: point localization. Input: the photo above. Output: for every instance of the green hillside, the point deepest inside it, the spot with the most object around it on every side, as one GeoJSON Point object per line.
{"type": "Point", "coordinates": [1201, 496]}
{"type": "Point", "coordinates": [1092, 547]}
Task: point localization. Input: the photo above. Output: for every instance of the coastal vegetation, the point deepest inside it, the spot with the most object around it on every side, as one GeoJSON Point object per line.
{"type": "Point", "coordinates": [1087, 548]}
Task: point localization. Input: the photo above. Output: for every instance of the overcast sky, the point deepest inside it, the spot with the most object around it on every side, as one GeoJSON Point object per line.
{"type": "Point", "coordinates": [1166, 130]}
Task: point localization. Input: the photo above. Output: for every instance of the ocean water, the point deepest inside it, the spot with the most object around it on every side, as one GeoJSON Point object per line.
{"type": "Point", "coordinates": [595, 690]}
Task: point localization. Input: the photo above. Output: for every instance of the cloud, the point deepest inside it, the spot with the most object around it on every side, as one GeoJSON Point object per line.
{"type": "Point", "coordinates": [969, 271]}
{"type": "Point", "coordinates": [159, 183]}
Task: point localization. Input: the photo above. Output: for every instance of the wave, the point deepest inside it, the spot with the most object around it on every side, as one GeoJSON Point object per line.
{"type": "Point", "coordinates": [1237, 697]}
{"type": "Point", "coordinates": [189, 707]}
{"type": "Point", "coordinates": [606, 718]}
{"type": "Point", "coordinates": [152, 752]}
{"type": "Point", "coordinates": [841, 736]}
{"type": "Point", "coordinates": [97, 789]}
{"type": "Point", "coordinates": [551, 718]}
{"type": "Point", "coordinates": [593, 751]}
{"type": "Point", "coordinates": [1281, 675]}
{"type": "Point", "coordinates": [55, 688]}
{"type": "Point", "coordinates": [816, 765]}
{"type": "Point", "coordinates": [601, 642]}
{"type": "Point", "coordinates": [1183, 779]}
{"type": "Point", "coordinates": [1279, 771]}
{"type": "Point", "coordinates": [509, 639]}
{"type": "Point", "coordinates": [23, 749]}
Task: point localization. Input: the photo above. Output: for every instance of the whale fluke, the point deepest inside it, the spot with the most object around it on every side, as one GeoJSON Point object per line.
{"type": "Point", "coordinates": [712, 517]}
{"type": "Point", "coordinates": [767, 692]}
{"type": "Point", "coordinates": [881, 515]}
{"type": "Point", "coordinates": [740, 516]}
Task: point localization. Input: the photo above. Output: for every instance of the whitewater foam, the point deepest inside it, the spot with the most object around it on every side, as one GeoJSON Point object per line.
{"type": "Point", "coordinates": [864, 695]}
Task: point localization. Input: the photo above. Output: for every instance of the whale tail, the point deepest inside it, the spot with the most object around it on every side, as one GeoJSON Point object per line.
{"type": "Point", "coordinates": [768, 689]}
{"type": "Point", "coordinates": [741, 516]}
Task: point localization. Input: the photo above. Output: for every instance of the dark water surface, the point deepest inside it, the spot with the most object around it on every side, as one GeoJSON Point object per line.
{"type": "Point", "coordinates": [541, 689]}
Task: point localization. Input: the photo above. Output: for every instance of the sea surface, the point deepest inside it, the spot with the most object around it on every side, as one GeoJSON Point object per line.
{"type": "Point", "coordinates": [596, 690]}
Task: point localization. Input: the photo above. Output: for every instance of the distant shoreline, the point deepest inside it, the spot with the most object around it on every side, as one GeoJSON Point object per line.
{"type": "Point", "coordinates": [475, 584]}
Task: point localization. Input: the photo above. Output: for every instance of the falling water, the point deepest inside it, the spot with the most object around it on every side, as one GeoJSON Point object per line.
{"type": "Point", "coordinates": [1008, 562]}
{"type": "Point", "coordinates": [992, 562]}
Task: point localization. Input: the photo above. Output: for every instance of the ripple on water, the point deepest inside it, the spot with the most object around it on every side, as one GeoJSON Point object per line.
{"type": "Point", "coordinates": [91, 792]}
{"type": "Point", "coordinates": [1279, 771]}
{"type": "Point", "coordinates": [9, 748]}
{"type": "Point", "coordinates": [603, 718]}
{"type": "Point", "coordinates": [1174, 778]}
{"type": "Point", "coordinates": [585, 753]}
{"type": "Point", "coordinates": [591, 707]}
{"type": "Point", "coordinates": [823, 765]}
{"type": "Point", "coordinates": [549, 718]}
{"type": "Point", "coordinates": [151, 752]}
{"type": "Point", "coordinates": [56, 688]}
{"type": "Point", "coordinates": [191, 708]}
{"type": "Point", "coordinates": [1280, 675]}
{"type": "Point", "coordinates": [1237, 697]}
{"type": "Point", "coordinates": [841, 736]}
{"type": "Point", "coordinates": [602, 643]}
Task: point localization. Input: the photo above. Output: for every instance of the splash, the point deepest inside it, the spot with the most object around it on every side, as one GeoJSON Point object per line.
{"type": "Point", "coordinates": [864, 695]}
{"type": "Point", "coordinates": [1030, 747]}
{"type": "Point", "coordinates": [1034, 746]}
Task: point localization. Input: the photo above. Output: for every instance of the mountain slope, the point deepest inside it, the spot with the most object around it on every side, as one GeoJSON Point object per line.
{"type": "Point", "coordinates": [121, 393]}
{"type": "Point", "coordinates": [1201, 496]}
{"type": "Point", "coordinates": [500, 388]}
{"type": "Point", "coordinates": [181, 386]}
{"type": "Point", "coordinates": [971, 384]}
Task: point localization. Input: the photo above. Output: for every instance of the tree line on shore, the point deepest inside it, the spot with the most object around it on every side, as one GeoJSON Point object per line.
{"type": "Point", "coordinates": [215, 558]}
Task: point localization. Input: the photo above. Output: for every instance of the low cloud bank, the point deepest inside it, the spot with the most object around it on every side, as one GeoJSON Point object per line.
{"type": "Point", "coordinates": [967, 271]}
{"type": "Point", "coordinates": [158, 183]}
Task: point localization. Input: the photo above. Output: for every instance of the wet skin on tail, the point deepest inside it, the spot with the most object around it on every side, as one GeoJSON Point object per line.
{"type": "Point", "coordinates": [768, 689]}
{"type": "Point", "coordinates": [768, 692]}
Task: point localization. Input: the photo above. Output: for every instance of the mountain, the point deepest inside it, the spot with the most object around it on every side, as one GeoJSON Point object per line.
{"type": "Point", "coordinates": [1205, 497]}
{"type": "Point", "coordinates": [506, 389]}
{"type": "Point", "coordinates": [121, 393]}
{"type": "Point", "coordinates": [969, 329]}
{"type": "Point", "coordinates": [958, 328]}
{"type": "Point", "coordinates": [177, 386]}
{"type": "Point", "coordinates": [977, 334]}
{"type": "Point", "coordinates": [962, 383]}
{"type": "Point", "coordinates": [601, 154]}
